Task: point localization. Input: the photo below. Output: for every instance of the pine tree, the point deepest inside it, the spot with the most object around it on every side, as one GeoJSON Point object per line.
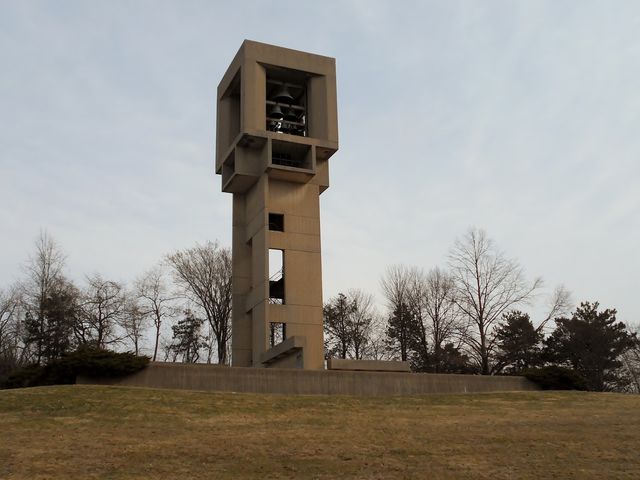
{"type": "Point", "coordinates": [518, 342]}
{"type": "Point", "coordinates": [591, 342]}
{"type": "Point", "coordinates": [187, 337]}
{"type": "Point", "coordinates": [401, 329]}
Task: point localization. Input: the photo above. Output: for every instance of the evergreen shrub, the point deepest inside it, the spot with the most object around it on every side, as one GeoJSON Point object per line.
{"type": "Point", "coordinates": [91, 362]}
{"type": "Point", "coordinates": [556, 378]}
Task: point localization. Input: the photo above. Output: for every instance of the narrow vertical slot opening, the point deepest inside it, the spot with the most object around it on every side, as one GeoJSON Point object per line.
{"type": "Point", "coordinates": [277, 333]}
{"type": "Point", "coordinates": [276, 276]}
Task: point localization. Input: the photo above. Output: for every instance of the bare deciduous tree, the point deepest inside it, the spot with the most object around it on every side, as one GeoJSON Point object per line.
{"type": "Point", "coordinates": [133, 322]}
{"type": "Point", "coordinates": [10, 331]}
{"type": "Point", "coordinates": [560, 304]}
{"type": "Point", "coordinates": [378, 348]}
{"type": "Point", "coordinates": [417, 300]}
{"type": "Point", "coordinates": [169, 353]}
{"type": "Point", "coordinates": [8, 307]}
{"type": "Point", "coordinates": [154, 301]}
{"type": "Point", "coordinates": [204, 272]}
{"type": "Point", "coordinates": [487, 285]}
{"type": "Point", "coordinates": [437, 314]}
{"type": "Point", "coordinates": [102, 308]}
{"type": "Point", "coordinates": [209, 343]}
{"type": "Point", "coordinates": [631, 360]}
{"type": "Point", "coordinates": [396, 287]}
{"type": "Point", "coordinates": [348, 322]}
{"type": "Point", "coordinates": [43, 270]}
{"type": "Point", "coordinates": [361, 322]}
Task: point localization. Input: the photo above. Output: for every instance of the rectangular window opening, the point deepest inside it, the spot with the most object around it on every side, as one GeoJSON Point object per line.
{"type": "Point", "coordinates": [276, 276]}
{"type": "Point", "coordinates": [291, 155]}
{"type": "Point", "coordinates": [276, 222]}
{"type": "Point", "coordinates": [277, 333]}
{"type": "Point", "coordinates": [286, 101]}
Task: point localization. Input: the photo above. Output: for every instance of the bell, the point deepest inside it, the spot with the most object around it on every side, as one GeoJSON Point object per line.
{"type": "Point", "coordinates": [291, 116]}
{"type": "Point", "coordinates": [283, 95]}
{"type": "Point", "coordinates": [276, 113]}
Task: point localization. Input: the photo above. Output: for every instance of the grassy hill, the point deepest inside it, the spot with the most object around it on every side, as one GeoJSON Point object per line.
{"type": "Point", "coordinates": [81, 432]}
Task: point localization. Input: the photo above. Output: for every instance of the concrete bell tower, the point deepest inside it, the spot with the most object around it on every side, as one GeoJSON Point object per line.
{"type": "Point", "coordinates": [277, 127]}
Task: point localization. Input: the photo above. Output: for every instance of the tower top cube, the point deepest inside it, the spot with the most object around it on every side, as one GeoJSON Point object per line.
{"type": "Point", "coordinates": [271, 93]}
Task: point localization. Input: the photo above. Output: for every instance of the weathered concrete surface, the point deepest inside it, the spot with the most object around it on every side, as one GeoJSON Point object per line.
{"type": "Point", "coordinates": [249, 156]}
{"type": "Point", "coordinates": [287, 354]}
{"type": "Point", "coordinates": [308, 382]}
{"type": "Point", "coordinates": [368, 365]}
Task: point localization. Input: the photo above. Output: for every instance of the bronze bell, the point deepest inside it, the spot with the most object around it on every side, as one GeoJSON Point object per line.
{"type": "Point", "coordinates": [291, 116]}
{"type": "Point", "coordinates": [283, 95]}
{"type": "Point", "coordinates": [276, 113]}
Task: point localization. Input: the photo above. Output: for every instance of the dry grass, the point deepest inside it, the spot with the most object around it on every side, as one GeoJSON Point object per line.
{"type": "Point", "coordinates": [82, 432]}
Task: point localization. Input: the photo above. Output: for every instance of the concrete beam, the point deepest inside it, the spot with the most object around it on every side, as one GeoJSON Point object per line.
{"type": "Point", "coordinates": [367, 365]}
{"type": "Point", "coordinates": [284, 349]}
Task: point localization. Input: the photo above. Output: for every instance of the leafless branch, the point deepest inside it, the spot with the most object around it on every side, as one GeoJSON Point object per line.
{"type": "Point", "coordinates": [204, 272]}
{"type": "Point", "coordinates": [487, 284]}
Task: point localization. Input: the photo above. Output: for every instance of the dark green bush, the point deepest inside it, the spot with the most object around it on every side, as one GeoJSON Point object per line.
{"type": "Point", "coordinates": [103, 363]}
{"type": "Point", "coordinates": [63, 371]}
{"type": "Point", "coordinates": [22, 377]}
{"type": "Point", "coordinates": [556, 378]}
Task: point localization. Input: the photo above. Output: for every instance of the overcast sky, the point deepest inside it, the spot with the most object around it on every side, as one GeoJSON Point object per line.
{"type": "Point", "coordinates": [522, 118]}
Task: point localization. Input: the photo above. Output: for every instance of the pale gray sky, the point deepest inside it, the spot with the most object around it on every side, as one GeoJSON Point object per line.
{"type": "Point", "coordinates": [519, 117]}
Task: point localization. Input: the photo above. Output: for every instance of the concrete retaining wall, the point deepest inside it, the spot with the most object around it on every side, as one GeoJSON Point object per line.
{"type": "Point", "coordinates": [309, 382]}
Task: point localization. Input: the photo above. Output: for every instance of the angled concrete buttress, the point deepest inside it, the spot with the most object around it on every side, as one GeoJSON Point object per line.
{"type": "Point", "coordinates": [277, 128]}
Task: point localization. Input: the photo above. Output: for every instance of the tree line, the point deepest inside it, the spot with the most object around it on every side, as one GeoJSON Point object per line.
{"type": "Point", "coordinates": [466, 317]}
{"type": "Point", "coordinates": [45, 314]}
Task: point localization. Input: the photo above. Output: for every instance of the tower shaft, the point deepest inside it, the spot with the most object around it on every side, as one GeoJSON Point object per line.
{"type": "Point", "coordinates": [276, 129]}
